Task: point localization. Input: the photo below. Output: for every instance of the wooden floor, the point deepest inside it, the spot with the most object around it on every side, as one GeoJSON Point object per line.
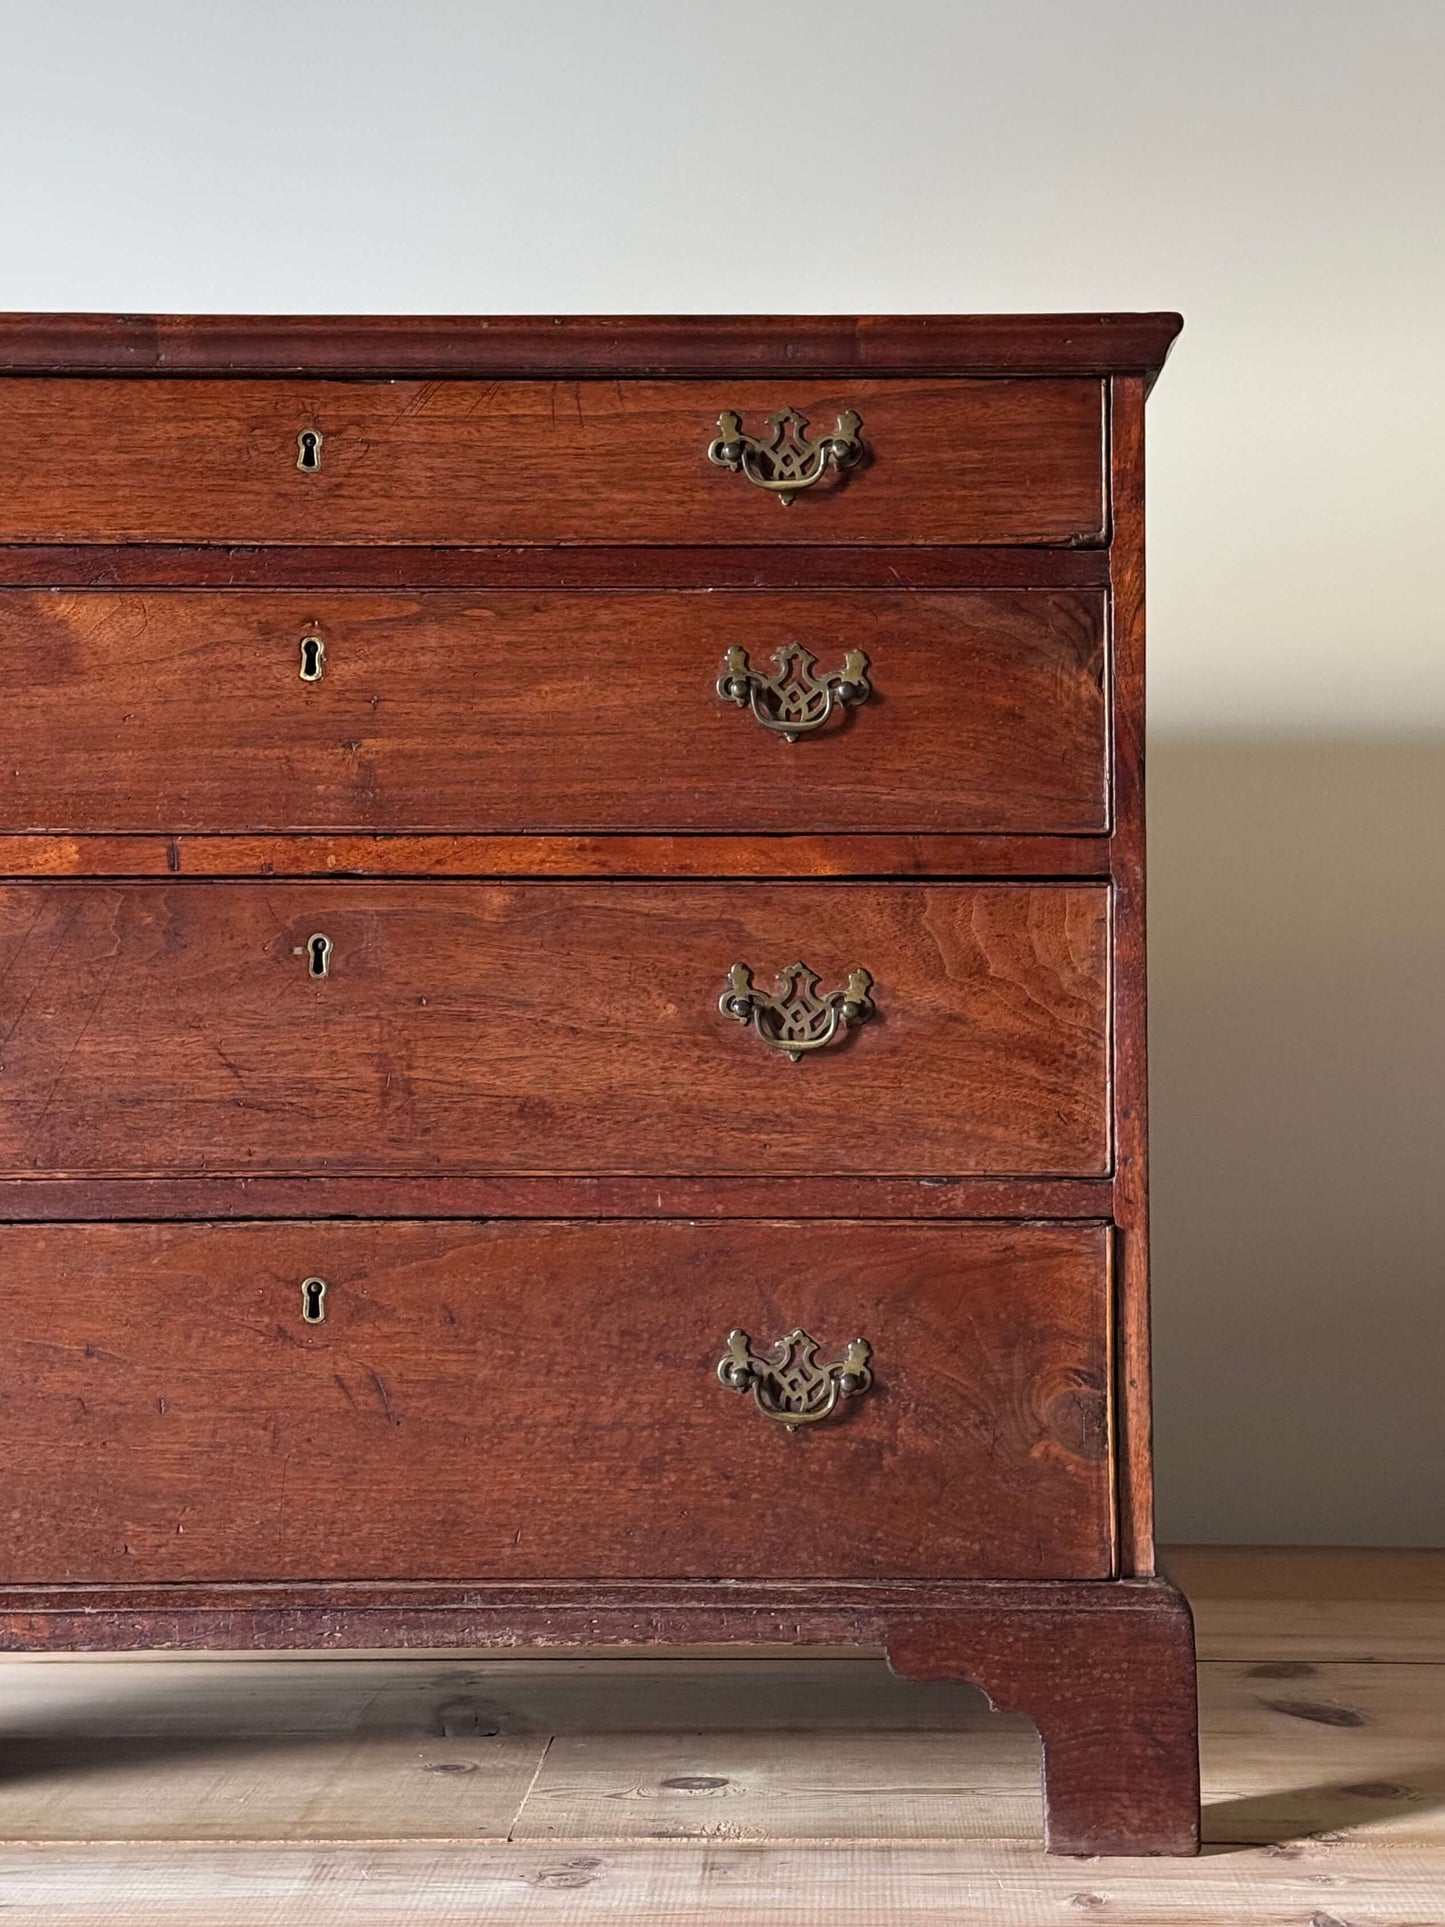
{"type": "Point", "coordinates": [757, 1791]}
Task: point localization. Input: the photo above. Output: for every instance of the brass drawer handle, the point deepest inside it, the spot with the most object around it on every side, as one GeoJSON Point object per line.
{"type": "Point", "coordinates": [787, 1381]}
{"type": "Point", "coordinates": [795, 699]}
{"type": "Point", "coordinates": [789, 459]}
{"type": "Point", "coordinates": [797, 1017]}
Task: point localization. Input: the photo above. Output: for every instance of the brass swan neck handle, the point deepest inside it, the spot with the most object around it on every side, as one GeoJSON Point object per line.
{"type": "Point", "coordinates": [787, 1380]}
{"type": "Point", "coordinates": [789, 459]}
{"type": "Point", "coordinates": [796, 698]}
{"type": "Point", "coordinates": [797, 1017]}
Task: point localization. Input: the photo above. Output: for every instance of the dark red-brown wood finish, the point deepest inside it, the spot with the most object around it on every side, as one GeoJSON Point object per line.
{"type": "Point", "coordinates": [542, 1172]}
{"type": "Point", "coordinates": [497, 346]}
{"type": "Point", "coordinates": [548, 712]}
{"type": "Point", "coordinates": [459, 1366]}
{"type": "Point", "coordinates": [540, 462]}
{"type": "Point", "coordinates": [548, 1028]}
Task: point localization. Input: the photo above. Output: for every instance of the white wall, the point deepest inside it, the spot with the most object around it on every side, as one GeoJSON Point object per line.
{"type": "Point", "coordinates": [1275, 171]}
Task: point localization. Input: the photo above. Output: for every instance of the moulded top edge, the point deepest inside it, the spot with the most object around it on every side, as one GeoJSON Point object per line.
{"type": "Point", "coordinates": [483, 346]}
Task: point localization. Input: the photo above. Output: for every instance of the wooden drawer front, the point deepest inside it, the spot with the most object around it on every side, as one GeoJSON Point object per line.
{"type": "Point", "coordinates": [539, 462]}
{"type": "Point", "coordinates": [541, 1400]}
{"type": "Point", "coordinates": [568, 712]}
{"type": "Point", "coordinates": [176, 1028]}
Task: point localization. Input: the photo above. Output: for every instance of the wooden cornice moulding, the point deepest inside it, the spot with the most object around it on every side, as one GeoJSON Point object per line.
{"type": "Point", "coordinates": [582, 345]}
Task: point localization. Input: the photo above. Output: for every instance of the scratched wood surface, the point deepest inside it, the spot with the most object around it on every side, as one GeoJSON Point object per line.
{"type": "Point", "coordinates": [177, 1029]}
{"type": "Point", "coordinates": [417, 1432]}
{"type": "Point", "coordinates": [183, 711]}
{"type": "Point", "coordinates": [545, 462]}
{"type": "Point", "coordinates": [682, 1791]}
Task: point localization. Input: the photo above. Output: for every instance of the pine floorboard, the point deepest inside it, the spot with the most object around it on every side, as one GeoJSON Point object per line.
{"type": "Point", "coordinates": [691, 1788]}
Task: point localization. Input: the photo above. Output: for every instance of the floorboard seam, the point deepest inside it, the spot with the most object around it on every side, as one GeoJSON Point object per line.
{"type": "Point", "coordinates": [531, 1788]}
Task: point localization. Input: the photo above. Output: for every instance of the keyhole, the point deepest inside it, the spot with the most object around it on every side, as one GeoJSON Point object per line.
{"type": "Point", "coordinates": [313, 658]}
{"type": "Point", "coordinates": [318, 955]}
{"type": "Point", "coordinates": [309, 443]}
{"type": "Point", "coordinates": [313, 1300]}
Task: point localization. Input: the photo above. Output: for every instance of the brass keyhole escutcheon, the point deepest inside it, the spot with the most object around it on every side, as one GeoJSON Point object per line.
{"type": "Point", "coordinates": [313, 1300]}
{"type": "Point", "coordinates": [318, 955]}
{"type": "Point", "coordinates": [308, 445]}
{"type": "Point", "coordinates": [313, 658]}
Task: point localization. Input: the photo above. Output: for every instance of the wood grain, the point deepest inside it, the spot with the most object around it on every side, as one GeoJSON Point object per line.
{"type": "Point", "coordinates": [1113, 1695]}
{"type": "Point", "coordinates": [1105, 1670]}
{"type": "Point", "coordinates": [96, 1200]}
{"type": "Point", "coordinates": [498, 345]}
{"type": "Point", "coordinates": [296, 1786]}
{"type": "Point", "coordinates": [799, 1777]}
{"type": "Point", "coordinates": [175, 1030]}
{"type": "Point", "coordinates": [186, 712]}
{"type": "Point", "coordinates": [416, 1433]}
{"type": "Point", "coordinates": [389, 855]}
{"type": "Point", "coordinates": [628, 1615]}
{"type": "Point", "coordinates": [742, 1784]}
{"type": "Point", "coordinates": [1348, 1750]}
{"type": "Point", "coordinates": [1306, 1603]}
{"type": "Point", "coordinates": [1295, 1741]}
{"type": "Point", "coordinates": [973, 1884]}
{"type": "Point", "coordinates": [522, 515]}
{"type": "Point", "coordinates": [859, 565]}
{"type": "Point", "coordinates": [1130, 976]}
{"type": "Point", "coordinates": [539, 462]}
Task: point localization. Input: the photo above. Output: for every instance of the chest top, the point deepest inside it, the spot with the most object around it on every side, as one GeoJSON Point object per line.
{"type": "Point", "coordinates": [600, 433]}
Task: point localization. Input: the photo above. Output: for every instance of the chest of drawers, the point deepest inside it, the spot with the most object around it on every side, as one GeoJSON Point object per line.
{"type": "Point", "coordinates": [571, 986]}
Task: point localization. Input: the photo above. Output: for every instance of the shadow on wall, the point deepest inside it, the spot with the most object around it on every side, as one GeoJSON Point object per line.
{"type": "Point", "coordinates": [1297, 969]}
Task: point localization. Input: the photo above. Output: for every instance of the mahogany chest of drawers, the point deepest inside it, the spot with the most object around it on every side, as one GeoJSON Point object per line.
{"type": "Point", "coordinates": [572, 998]}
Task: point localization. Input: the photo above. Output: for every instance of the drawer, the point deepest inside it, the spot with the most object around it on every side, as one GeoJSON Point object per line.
{"type": "Point", "coordinates": [419, 1028]}
{"type": "Point", "coordinates": [530, 1401]}
{"type": "Point", "coordinates": [509, 711]}
{"type": "Point", "coordinates": [542, 462]}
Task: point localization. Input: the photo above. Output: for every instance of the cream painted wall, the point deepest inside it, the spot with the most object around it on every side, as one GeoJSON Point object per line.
{"type": "Point", "coordinates": [1297, 888]}
{"type": "Point", "coordinates": [1275, 171]}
